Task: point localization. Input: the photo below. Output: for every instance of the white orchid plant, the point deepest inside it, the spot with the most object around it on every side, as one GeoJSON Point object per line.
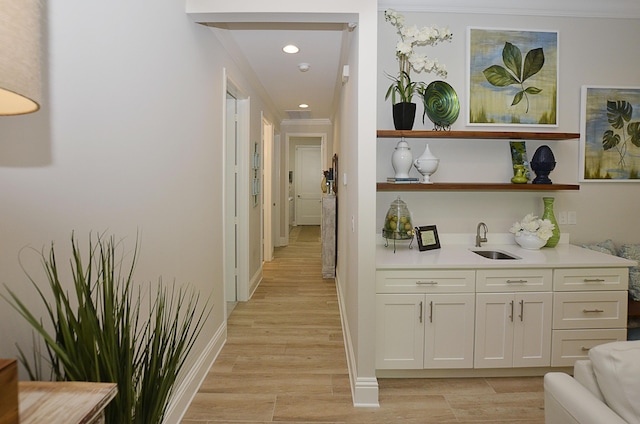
{"type": "Point", "coordinates": [411, 37]}
{"type": "Point", "coordinates": [543, 228]}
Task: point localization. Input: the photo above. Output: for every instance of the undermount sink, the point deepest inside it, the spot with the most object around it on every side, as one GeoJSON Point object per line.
{"type": "Point", "coordinates": [494, 254]}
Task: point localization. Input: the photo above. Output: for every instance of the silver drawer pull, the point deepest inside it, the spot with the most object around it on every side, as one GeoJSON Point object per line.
{"type": "Point", "coordinates": [594, 280]}
{"type": "Point", "coordinates": [585, 349]}
{"type": "Point", "coordinates": [587, 311]}
{"type": "Point", "coordinates": [426, 283]}
{"type": "Point", "coordinates": [516, 281]}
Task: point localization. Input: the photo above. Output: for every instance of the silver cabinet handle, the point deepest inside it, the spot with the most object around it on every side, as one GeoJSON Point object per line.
{"type": "Point", "coordinates": [426, 283]}
{"type": "Point", "coordinates": [594, 280]}
{"type": "Point", "coordinates": [587, 311]}
{"type": "Point", "coordinates": [516, 281]}
{"type": "Point", "coordinates": [431, 311]}
{"type": "Point", "coordinates": [420, 314]}
{"type": "Point", "coordinates": [511, 314]}
{"type": "Point", "coordinates": [522, 310]}
{"type": "Point", "coordinates": [585, 349]}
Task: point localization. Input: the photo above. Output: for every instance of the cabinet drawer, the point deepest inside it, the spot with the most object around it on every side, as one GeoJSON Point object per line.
{"type": "Point", "coordinates": [591, 279]}
{"type": "Point", "coordinates": [513, 280]}
{"type": "Point", "coordinates": [425, 281]}
{"type": "Point", "coordinates": [589, 310]}
{"type": "Point", "coordinates": [568, 346]}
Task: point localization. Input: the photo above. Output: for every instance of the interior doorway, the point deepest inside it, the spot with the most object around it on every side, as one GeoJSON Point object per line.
{"type": "Point", "coordinates": [236, 196]}
{"type": "Point", "coordinates": [308, 198]}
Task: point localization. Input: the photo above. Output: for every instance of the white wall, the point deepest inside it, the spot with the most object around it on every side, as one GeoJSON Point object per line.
{"type": "Point", "coordinates": [129, 140]}
{"type": "Point", "coordinates": [591, 53]}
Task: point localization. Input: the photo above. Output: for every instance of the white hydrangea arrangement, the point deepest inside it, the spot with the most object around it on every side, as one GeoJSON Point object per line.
{"type": "Point", "coordinates": [411, 37]}
{"type": "Point", "coordinates": [543, 228]}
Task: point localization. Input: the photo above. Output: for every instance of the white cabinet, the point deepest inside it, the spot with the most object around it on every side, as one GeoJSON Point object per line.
{"type": "Point", "coordinates": [513, 330]}
{"type": "Point", "coordinates": [589, 308]}
{"type": "Point", "coordinates": [496, 318]}
{"type": "Point", "coordinates": [415, 331]}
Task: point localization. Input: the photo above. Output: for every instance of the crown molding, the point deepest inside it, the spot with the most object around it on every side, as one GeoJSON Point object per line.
{"type": "Point", "coordinates": [628, 9]}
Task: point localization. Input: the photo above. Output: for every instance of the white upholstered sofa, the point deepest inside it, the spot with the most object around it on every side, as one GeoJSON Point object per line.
{"type": "Point", "coordinates": [605, 389]}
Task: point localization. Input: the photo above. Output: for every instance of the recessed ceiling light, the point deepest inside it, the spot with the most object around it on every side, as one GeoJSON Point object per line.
{"type": "Point", "coordinates": [303, 106]}
{"type": "Point", "coordinates": [290, 48]}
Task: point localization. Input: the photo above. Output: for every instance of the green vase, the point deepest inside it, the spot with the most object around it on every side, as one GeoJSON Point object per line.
{"type": "Point", "coordinates": [548, 214]}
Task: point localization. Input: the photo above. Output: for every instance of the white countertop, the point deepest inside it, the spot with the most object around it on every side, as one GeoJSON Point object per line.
{"type": "Point", "coordinates": [456, 251]}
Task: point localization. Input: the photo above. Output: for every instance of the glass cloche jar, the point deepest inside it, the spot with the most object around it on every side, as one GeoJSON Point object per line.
{"type": "Point", "coordinates": [397, 222]}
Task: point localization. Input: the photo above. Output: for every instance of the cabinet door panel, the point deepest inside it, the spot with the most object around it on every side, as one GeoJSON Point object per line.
{"type": "Point", "coordinates": [494, 330]}
{"type": "Point", "coordinates": [399, 331]}
{"type": "Point", "coordinates": [532, 330]}
{"type": "Point", "coordinates": [449, 331]}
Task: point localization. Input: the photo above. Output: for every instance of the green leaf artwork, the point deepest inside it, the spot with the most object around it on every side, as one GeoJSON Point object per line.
{"type": "Point", "coordinates": [611, 128]}
{"type": "Point", "coordinates": [619, 112]}
{"type": "Point", "coordinates": [513, 77]}
{"type": "Point", "coordinates": [517, 72]}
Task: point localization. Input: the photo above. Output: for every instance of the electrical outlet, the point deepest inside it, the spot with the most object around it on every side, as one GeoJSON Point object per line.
{"type": "Point", "coordinates": [562, 218]}
{"type": "Point", "coordinates": [572, 218]}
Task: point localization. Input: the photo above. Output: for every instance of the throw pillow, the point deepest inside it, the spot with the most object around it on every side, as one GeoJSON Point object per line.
{"type": "Point", "coordinates": [617, 369]}
{"type": "Point", "coordinates": [606, 246]}
{"type": "Point", "coordinates": [632, 251]}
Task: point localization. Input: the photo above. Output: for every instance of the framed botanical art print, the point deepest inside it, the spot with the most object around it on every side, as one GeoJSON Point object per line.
{"type": "Point", "coordinates": [610, 136]}
{"type": "Point", "coordinates": [512, 77]}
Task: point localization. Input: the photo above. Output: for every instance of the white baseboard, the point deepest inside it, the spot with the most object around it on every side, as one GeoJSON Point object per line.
{"type": "Point", "coordinates": [183, 394]}
{"type": "Point", "coordinates": [364, 390]}
{"type": "Point", "coordinates": [255, 281]}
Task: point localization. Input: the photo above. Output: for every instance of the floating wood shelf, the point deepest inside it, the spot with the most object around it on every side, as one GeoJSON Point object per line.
{"type": "Point", "coordinates": [474, 187]}
{"type": "Point", "coordinates": [503, 135]}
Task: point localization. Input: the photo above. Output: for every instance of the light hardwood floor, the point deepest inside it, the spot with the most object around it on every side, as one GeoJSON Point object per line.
{"type": "Point", "coordinates": [284, 361]}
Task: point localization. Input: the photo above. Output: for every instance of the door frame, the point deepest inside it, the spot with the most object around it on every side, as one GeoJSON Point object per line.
{"type": "Point", "coordinates": [287, 164]}
{"type": "Point", "coordinates": [238, 192]}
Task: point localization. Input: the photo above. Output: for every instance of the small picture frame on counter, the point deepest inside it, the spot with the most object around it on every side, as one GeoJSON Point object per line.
{"type": "Point", "coordinates": [427, 237]}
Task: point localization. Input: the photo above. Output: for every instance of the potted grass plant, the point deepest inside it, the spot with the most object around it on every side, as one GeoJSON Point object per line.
{"type": "Point", "coordinates": [101, 335]}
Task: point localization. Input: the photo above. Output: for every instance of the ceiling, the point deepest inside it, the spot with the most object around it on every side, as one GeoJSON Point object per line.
{"type": "Point", "coordinates": [260, 47]}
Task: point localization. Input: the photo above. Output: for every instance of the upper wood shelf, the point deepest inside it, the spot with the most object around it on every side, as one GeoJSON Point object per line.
{"type": "Point", "coordinates": [475, 187]}
{"type": "Point", "coordinates": [512, 135]}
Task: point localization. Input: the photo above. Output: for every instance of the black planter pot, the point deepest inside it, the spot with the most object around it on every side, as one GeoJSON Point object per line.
{"type": "Point", "coordinates": [403, 115]}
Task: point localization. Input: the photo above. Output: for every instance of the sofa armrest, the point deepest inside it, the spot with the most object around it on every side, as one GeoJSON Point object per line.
{"type": "Point", "coordinates": [567, 401]}
{"type": "Point", "coordinates": [584, 374]}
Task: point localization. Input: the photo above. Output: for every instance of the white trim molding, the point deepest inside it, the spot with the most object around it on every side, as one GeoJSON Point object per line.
{"type": "Point", "coordinates": [364, 390]}
{"type": "Point", "coordinates": [184, 393]}
{"type": "Point", "coordinates": [629, 9]}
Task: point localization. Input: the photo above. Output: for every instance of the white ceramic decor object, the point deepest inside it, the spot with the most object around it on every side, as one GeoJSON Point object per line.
{"type": "Point", "coordinates": [528, 240]}
{"type": "Point", "coordinates": [426, 165]}
{"type": "Point", "coordinates": [402, 159]}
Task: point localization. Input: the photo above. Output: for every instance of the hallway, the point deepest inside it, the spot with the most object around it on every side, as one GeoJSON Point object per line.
{"type": "Point", "coordinates": [284, 361]}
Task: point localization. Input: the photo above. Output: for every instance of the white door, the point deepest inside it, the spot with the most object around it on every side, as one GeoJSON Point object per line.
{"type": "Point", "coordinates": [449, 332]}
{"type": "Point", "coordinates": [307, 185]}
{"type": "Point", "coordinates": [532, 332]}
{"type": "Point", "coordinates": [399, 331]}
{"type": "Point", "coordinates": [494, 330]}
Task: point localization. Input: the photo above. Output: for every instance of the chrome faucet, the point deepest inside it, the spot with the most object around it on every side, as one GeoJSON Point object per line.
{"type": "Point", "coordinates": [479, 239]}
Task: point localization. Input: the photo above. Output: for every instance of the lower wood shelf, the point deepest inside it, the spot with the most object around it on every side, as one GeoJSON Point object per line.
{"type": "Point", "coordinates": [475, 187]}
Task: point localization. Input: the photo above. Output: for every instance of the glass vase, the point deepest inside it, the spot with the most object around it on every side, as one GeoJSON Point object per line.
{"type": "Point", "coordinates": [548, 214]}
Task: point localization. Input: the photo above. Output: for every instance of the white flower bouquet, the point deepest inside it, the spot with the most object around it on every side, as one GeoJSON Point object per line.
{"type": "Point", "coordinates": [411, 37]}
{"type": "Point", "coordinates": [531, 224]}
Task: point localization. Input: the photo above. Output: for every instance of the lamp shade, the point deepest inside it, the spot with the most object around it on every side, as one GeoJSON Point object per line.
{"type": "Point", "coordinates": [20, 83]}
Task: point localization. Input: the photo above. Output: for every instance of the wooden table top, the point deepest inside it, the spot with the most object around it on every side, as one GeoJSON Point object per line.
{"type": "Point", "coordinates": [63, 402]}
